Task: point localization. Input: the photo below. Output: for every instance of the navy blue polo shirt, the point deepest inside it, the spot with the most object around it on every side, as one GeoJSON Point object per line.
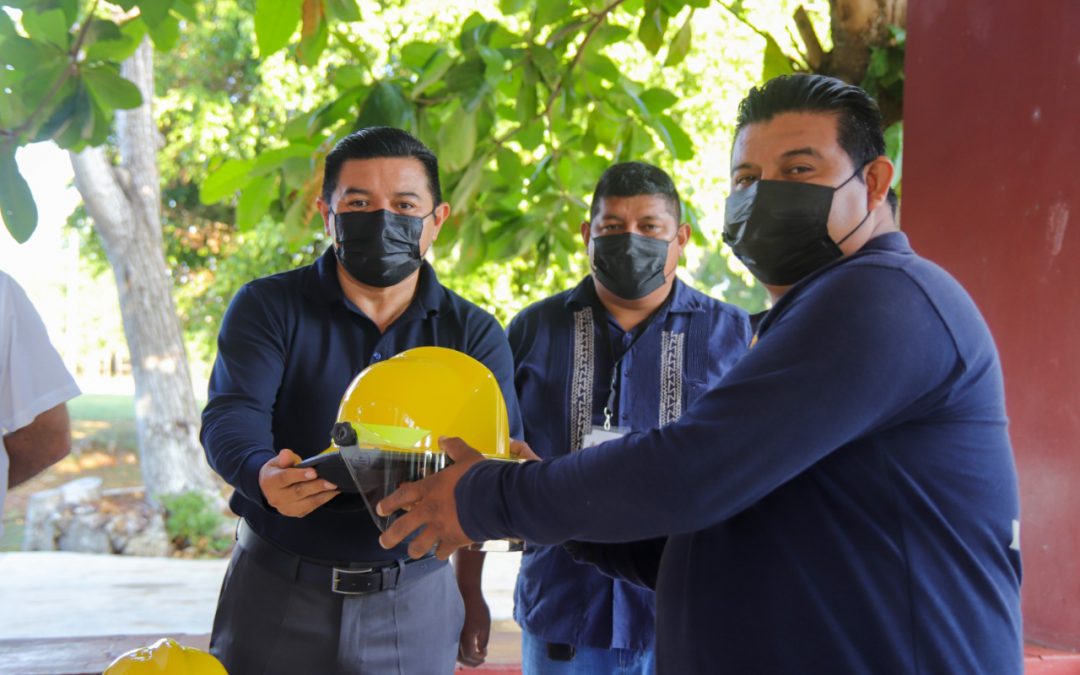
{"type": "Point", "coordinates": [683, 351]}
{"type": "Point", "coordinates": [289, 346]}
{"type": "Point", "coordinates": [844, 501]}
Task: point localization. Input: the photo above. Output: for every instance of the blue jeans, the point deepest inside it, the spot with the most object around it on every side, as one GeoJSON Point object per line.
{"type": "Point", "coordinates": [586, 661]}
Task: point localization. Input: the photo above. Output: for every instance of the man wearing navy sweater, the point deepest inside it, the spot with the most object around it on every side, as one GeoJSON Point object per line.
{"type": "Point", "coordinates": [845, 501]}
{"type": "Point", "coordinates": [308, 589]}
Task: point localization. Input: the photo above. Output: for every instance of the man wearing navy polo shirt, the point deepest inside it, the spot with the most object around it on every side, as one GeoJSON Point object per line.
{"type": "Point", "coordinates": [309, 590]}
{"type": "Point", "coordinates": [628, 349]}
{"type": "Point", "coordinates": [845, 500]}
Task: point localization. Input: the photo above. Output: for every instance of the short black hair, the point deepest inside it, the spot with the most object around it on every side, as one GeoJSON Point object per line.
{"type": "Point", "coordinates": [376, 142]}
{"type": "Point", "coordinates": [858, 128]}
{"type": "Point", "coordinates": [631, 179]}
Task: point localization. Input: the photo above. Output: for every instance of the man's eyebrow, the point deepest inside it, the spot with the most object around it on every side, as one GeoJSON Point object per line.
{"type": "Point", "coordinates": [801, 151]}
{"type": "Point", "coordinates": [744, 165]}
{"type": "Point", "coordinates": [362, 191]}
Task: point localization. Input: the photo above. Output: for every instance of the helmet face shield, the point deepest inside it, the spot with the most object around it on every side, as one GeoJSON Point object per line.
{"type": "Point", "coordinates": [393, 413]}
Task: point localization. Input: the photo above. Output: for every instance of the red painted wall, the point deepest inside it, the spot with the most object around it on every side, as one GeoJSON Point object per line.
{"type": "Point", "coordinates": [992, 192]}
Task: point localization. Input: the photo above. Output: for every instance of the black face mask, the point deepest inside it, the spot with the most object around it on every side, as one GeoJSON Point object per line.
{"type": "Point", "coordinates": [780, 229]}
{"type": "Point", "coordinates": [378, 248]}
{"type": "Point", "coordinates": [630, 265]}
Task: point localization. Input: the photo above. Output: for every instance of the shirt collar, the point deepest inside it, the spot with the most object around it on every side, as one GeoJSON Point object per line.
{"type": "Point", "coordinates": [322, 285]}
{"type": "Point", "coordinates": [683, 301]}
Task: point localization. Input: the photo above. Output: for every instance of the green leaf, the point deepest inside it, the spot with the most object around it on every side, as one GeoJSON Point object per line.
{"type": "Point", "coordinates": [232, 175]}
{"type": "Point", "coordinates": [185, 10]}
{"type": "Point", "coordinates": [775, 62]}
{"type": "Point", "coordinates": [111, 90]}
{"type": "Point", "coordinates": [48, 26]}
{"type": "Point", "coordinates": [652, 26]}
{"type": "Point", "coordinates": [269, 160]}
{"type": "Point", "coordinates": [531, 135]}
{"type": "Point", "coordinates": [512, 6]}
{"type": "Point", "coordinates": [657, 100]}
{"type": "Point", "coordinates": [314, 34]}
{"type": "Point", "coordinates": [345, 11]}
{"type": "Point", "coordinates": [433, 70]}
{"type": "Point", "coordinates": [385, 105]}
{"type": "Point", "coordinates": [550, 11]}
{"type": "Point", "coordinates": [468, 82]}
{"type": "Point", "coordinates": [153, 12]}
{"type": "Point", "coordinates": [74, 128]}
{"type": "Point", "coordinates": [16, 201]}
{"type": "Point", "coordinates": [600, 64]}
{"type": "Point", "coordinates": [546, 63]}
{"type": "Point", "coordinates": [275, 22]}
{"type": "Point", "coordinates": [165, 34]}
{"type": "Point", "coordinates": [457, 140]}
{"type": "Point", "coordinates": [416, 54]}
{"type": "Point", "coordinates": [348, 77]}
{"type": "Point", "coordinates": [329, 113]}
{"type": "Point", "coordinates": [63, 116]}
{"type": "Point", "coordinates": [106, 42]}
{"type": "Point", "coordinates": [527, 101]}
{"type": "Point", "coordinates": [254, 202]}
{"type": "Point", "coordinates": [680, 45]}
{"type": "Point", "coordinates": [23, 54]}
{"type": "Point", "coordinates": [466, 188]}
{"type": "Point", "coordinates": [681, 144]}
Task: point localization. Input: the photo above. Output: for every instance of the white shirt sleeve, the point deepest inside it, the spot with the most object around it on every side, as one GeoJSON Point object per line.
{"type": "Point", "coordinates": [33, 377]}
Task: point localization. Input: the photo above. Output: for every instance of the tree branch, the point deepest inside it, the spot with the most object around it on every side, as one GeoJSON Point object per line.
{"type": "Point", "coordinates": [815, 55]}
{"type": "Point", "coordinates": [598, 20]}
{"type": "Point", "coordinates": [34, 117]}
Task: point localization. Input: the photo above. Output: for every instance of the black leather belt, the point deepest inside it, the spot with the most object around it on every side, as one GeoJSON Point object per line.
{"type": "Point", "coordinates": [350, 579]}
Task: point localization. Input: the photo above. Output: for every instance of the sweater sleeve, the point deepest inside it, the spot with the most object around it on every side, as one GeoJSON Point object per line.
{"type": "Point", "coordinates": [860, 350]}
{"type": "Point", "coordinates": [237, 421]}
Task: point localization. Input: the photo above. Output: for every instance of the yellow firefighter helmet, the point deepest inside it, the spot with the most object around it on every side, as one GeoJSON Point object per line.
{"type": "Point", "coordinates": [166, 657]}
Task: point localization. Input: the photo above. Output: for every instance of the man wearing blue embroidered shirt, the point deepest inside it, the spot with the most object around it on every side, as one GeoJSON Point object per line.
{"type": "Point", "coordinates": [629, 348]}
{"type": "Point", "coordinates": [845, 501]}
{"type": "Point", "coordinates": [309, 590]}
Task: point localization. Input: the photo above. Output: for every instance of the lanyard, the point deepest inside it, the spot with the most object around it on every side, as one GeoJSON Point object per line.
{"type": "Point", "coordinates": [609, 405]}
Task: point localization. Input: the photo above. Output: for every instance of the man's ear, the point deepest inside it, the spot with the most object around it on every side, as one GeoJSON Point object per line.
{"type": "Point", "coordinates": [441, 213]}
{"type": "Point", "coordinates": [879, 175]}
{"type": "Point", "coordinates": [324, 209]}
{"type": "Point", "coordinates": [682, 235]}
{"type": "Point", "coordinates": [586, 230]}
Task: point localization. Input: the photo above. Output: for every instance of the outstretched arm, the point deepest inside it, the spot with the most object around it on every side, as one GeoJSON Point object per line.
{"type": "Point", "coordinates": [38, 445]}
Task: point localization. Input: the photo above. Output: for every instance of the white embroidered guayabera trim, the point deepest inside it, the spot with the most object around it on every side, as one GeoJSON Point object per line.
{"type": "Point", "coordinates": [583, 364]}
{"type": "Point", "coordinates": [671, 384]}
{"type": "Point", "coordinates": [581, 384]}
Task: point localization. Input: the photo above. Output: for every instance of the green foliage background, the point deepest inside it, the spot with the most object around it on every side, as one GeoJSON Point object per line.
{"type": "Point", "coordinates": [526, 103]}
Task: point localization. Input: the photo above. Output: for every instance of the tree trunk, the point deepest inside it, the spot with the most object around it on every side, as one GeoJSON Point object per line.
{"type": "Point", "coordinates": [858, 25]}
{"type": "Point", "coordinates": [124, 201]}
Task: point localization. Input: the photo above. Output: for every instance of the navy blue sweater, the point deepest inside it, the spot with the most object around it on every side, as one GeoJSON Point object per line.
{"type": "Point", "coordinates": [288, 348]}
{"type": "Point", "coordinates": [843, 502]}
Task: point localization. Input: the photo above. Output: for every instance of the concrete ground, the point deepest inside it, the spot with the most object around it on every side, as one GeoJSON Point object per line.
{"type": "Point", "coordinates": [49, 601]}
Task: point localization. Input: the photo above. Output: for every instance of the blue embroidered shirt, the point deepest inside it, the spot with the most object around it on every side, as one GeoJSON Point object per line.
{"type": "Point", "coordinates": [557, 347]}
{"type": "Point", "coordinates": [289, 346]}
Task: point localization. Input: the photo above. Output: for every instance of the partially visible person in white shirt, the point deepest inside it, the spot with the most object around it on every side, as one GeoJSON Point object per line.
{"type": "Point", "coordinates": [35, 431]}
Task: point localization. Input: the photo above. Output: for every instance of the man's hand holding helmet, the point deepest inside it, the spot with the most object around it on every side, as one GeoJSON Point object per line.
{"type": "Point", "coordinates": [292, 491]}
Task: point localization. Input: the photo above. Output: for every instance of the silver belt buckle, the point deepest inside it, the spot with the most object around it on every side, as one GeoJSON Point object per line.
{"type": "Point", "coordinates": [340, 572]}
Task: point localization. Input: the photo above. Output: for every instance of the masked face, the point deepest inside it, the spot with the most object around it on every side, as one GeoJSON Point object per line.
{"type": "Point", "coordinates": [378, 248]}
{"type": "Point", "coordinates": [780, 229]}
{"type": "Point", "coordinates": [630, 265]}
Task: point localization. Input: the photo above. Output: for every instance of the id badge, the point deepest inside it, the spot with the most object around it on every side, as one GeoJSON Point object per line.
{"type": "Point", "coordinates": [600, 435]}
